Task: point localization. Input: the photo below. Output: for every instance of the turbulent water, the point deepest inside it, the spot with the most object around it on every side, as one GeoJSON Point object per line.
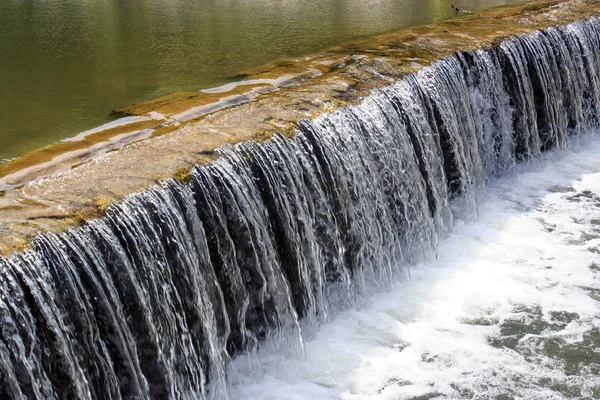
{"type": "Point", "coordinates": [265, 245]}
{"type": "Point", "coordinates": [509, 309]}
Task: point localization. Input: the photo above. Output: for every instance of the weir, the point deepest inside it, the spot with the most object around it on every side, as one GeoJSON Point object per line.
{"type": "Point", "coordinates": [153, 299]}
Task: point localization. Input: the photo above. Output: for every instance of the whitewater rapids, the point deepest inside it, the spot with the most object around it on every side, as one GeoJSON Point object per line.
{"type": "Point", "coordinates": [510, 308]}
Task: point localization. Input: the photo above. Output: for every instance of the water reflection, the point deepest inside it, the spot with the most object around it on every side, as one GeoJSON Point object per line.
{"type": "Point", "coordinates": [64, 64]}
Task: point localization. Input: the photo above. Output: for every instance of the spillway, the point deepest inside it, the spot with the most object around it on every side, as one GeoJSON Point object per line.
{"type": "Point", "coordinates": [274, 238]}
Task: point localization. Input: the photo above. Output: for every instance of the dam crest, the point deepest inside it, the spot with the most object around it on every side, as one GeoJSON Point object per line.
{"type": "Point", "coordinates": [273, 238]}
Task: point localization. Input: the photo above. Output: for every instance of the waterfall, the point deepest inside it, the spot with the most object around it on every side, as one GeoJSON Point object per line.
{"type": "Point", "coordinates": [273, 238]}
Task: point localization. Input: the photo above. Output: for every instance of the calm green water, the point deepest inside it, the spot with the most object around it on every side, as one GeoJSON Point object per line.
{"type": "Point", "coordinates": [64, 64]}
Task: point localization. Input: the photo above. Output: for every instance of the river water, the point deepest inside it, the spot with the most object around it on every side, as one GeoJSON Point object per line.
{"type": "Point", "coordinates": [469, 176]}
{"type": "Point", "coordinates": [65, 64]}
{"type": "Point", "coordinates": [508, 310]}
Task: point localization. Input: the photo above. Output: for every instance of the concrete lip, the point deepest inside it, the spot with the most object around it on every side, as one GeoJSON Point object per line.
{"type": "Point", "coordinates": [68, 183]}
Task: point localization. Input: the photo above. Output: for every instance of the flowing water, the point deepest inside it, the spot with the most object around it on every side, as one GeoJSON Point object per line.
{"type": "Point", "coordinates": [510, 308]}
{"type": "Point", "coordinates": [168, 294]}
{"type": "Point", "coordinates": [65, 64]}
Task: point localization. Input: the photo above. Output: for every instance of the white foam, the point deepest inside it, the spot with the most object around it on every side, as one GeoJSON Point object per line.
{"type": "Point", "coordinates": [525, 248]}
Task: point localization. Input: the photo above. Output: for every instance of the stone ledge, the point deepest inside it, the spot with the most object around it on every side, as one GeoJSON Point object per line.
{"type": "Point", "coordinates": [67, 188]}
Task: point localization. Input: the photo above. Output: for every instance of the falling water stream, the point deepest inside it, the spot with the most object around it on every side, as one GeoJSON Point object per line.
{"type": "Point", "coordinates": [508, 307]}
{"type": "Point", "coordinates": [168, 293]}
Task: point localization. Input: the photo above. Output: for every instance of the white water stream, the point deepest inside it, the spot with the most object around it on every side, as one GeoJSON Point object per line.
{"type": "Point", "coordinates": [168, 291]}
{"type": "Point", "coordinates": [532, 249]}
